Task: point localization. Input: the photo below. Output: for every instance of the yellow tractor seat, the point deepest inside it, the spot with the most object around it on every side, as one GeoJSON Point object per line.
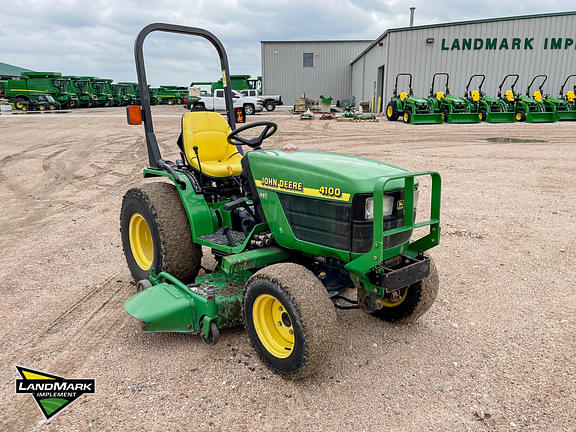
{"type": "Point", "coordinates": [439, 95]}
{"type": "Point", "coordinates": [537, 96]}
{"type": "Point", "coordinates": [509, 95]}
{"type": "Point", "coordinates": [475, 95]}
{"type": "Point", "coordinates": [403, 96]}
{"type": "Point", "coordinates": [209, 131]}
{"type": "Point", "coordinates": [570, 96]}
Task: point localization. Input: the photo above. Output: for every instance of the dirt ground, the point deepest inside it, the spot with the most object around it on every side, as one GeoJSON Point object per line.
{"type": "Point", "coordinates": [499, 343]}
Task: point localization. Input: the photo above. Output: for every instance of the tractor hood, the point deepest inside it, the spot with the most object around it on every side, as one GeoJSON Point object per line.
{"type": "Point", "coordinates": [418, 99]}
{"type": "Point", "coordinates": [323, 175]}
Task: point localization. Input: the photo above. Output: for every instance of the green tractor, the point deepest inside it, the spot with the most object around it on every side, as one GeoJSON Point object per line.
{"type": "Point", "coordinates": [290, 231]}
{"type": "Point", "coordinates": [531, 108]}
{"type": "Point", "coordinates": [132, 92]}
{"type": "Point", "coordinates": [489, 109]}
{"type": "Point", "coordinates": [453, 109]}
{"type": "Point", "coordinates": [413, 110]}
{"type": "Point", "coordinates": [565, 105]}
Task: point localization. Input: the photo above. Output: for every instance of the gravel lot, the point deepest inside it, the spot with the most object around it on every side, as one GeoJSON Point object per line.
{"type": "Point", "coordinates": [497, 351]}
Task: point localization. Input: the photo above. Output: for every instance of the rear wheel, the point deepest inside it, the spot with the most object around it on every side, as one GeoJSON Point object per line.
{"type": "Point", "coordinates": [156, 233]}
{"type": "Point", "coordinates": [20, 104]}
{"type": "Point", "coordinates": [249, 109]}
{"type": "Point", "coordinates": [170, 102]}
{"type": "Point", "coordinates": [520, 116]}
{"type": "Point", "coordinates": [289, 318]}
{"type": "Point", "coordinates": [270, 106]}
{"type": "Point", "coordinates": [412, 302]}
{"type": "Point", "coordinates": [198, 107]}
{"type": "Point", "coordinates": [407, 116]}
{"type": "Point", "coordinates": [392, 111]}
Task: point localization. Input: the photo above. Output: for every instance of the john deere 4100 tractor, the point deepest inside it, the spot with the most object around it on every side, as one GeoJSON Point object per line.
{"type": "Point", "coordinates": [290, 231]}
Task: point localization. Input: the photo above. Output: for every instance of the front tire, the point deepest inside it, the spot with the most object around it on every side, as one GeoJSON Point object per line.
{"type": "Point", "coordinates": [520, 116]}
{"type": "Point", "coordinates": [156, 233]}
{"type": "Point", "coordinates": [249, 109]}
{"type": "Point", "coordinates": [482, 115]}
{"type": "Point", "coordinates": [407, 117]}
{"type": "Point", "coordinates": [290, 319]}
{"type": "Point", "coordinates": [414, 300]}
{"type": "Point", "coordinates": [445, 113]}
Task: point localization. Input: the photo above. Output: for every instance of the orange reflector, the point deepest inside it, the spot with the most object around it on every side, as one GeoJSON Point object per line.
{"type": "Point", "coordinates": [230, 170]}
{"type": "Point", "coordinates": [134, 114]}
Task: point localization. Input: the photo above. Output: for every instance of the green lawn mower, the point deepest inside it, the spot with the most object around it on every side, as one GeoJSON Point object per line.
{"type": "Point", "coordinates": [532, 109]}
{"type": "Point", "coordinates": [413, 110]}
{"type": "Point", "coordinates": [290, 232]}
{"type": "Point", "coordinates": [489, 109]}
{"type": "Point", "coordinates": [565, 105]}
{"type": "Point", "coordinates": [453, 109]}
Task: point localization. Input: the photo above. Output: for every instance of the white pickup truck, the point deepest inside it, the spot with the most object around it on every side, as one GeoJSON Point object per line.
{"type": "Point", "coordinates": [216, 102]}
{"type": "Point", "coordinates": [270, 101]}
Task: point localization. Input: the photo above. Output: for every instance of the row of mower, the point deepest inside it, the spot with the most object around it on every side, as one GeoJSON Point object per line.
{"type": "Point", "coordinates": [475, 106]}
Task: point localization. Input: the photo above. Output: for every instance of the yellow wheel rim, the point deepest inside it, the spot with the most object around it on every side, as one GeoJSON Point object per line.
{"type": "Point", "coordinates": [389, 302]}
{"type": "Point", "coordinates": [480, 116]}
{"type": "Point", "coordinates": [273, 326]}
{"type": "Point", "coordinates": [518, 116]}
{"type": "Point", "coordinates": [406, 117]}
{"type": "Point", "coordinates": [389, 111]}
{"type": "Point", "coordinates": [170, 102]}
{"type": "Point", "coordinates": [141, 243]}
{"type": "Point", "coordinates": [42, 108]}
{"type": "Point", "coordinates": [19, 105]}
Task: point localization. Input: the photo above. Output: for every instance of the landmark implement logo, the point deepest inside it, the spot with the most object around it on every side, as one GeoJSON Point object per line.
{"type": "Point", "coordinates": [52, 393]}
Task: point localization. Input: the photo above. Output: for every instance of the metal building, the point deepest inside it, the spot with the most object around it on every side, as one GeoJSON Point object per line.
{"type": "Point", "coordinates": [527, 45]}
{"type": "Point", "coordinates": [314, 68]}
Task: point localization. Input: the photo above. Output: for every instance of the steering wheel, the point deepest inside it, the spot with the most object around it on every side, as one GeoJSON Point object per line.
{"type": "Point", "coordinates": [270, 129]}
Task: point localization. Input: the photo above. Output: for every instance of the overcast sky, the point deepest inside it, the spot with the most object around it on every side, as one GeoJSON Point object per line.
{"type": "Point", "coordinates": [95, 37]}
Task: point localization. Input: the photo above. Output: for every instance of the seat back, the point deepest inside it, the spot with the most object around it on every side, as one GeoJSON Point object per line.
{"type": "Point", "coordinates": [509, 95]}
{"type": "Point", "coordinates": [537, 96]}
{"type": "Point", "coordinates": [475, 95]}
{"type": "Point", "coordinates": [570, 96]}
{"type": "Point", "coordinates": [440, 95]}
{"type": "Point", "coordinates": [208, 131]}
{"type": "Point", "coordinates": [403, 95]}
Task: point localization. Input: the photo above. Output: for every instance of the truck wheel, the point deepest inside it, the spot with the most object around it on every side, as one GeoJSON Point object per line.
{"type": "Point", "coordinates": [156, 233]}
{"type": "Point", "coordinates": [290, 319]}
{"type": "Point", "coordinates": [270, 105]}
{"type": "Point", "coordinates": [249, 109]}
{"type": "Point", "coordinates": [392, 111]}
{"type": "Point", "coordinates": [407, 116]}
{"type": "Point", "coordinates": [412, 301]}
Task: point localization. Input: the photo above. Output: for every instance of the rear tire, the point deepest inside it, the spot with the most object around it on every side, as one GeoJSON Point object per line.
{"type": "Point", "coordinates": [290, 319]}
{"type": "Point", "coordinates": [270, 106]}
{"type": "Point", "coordinates": [415, 300]}
{"type": "Point", "coordinates": [198, 107]}
{"type": "Point", "coordinates": [392, 111]}
{"type": "Point", "coordinates": [249, 109]}
{"type": "Point", "coordinates": [156, 233]}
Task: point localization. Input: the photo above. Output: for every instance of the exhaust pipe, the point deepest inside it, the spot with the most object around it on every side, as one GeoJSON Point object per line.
{"type": "Point", "coordinates": [412, 9]}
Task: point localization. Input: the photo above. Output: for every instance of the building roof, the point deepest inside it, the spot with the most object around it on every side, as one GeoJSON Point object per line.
{"type": "Point", "coordinates": [11, 70]}
{"type": "Point", "coordinates": [318, 41]}
{"type": "Point", "coordinates": [457, 23]}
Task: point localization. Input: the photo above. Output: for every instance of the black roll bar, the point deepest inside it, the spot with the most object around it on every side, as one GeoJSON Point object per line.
{"type": "Point", "coordinates": [154, 156]}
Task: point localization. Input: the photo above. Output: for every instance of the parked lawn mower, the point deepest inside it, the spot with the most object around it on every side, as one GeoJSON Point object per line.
{"type": "Point", "coordinates": [452, 108]}
{"type": "Point", "coordinates": [489, 109]}
{"type": "Point", "coordinates": [413, 110]}
{"type": "Point", "coordinates": [290, 231]}
{"type": "Point", "coordinates": [565, 105]}
{"type": "Point", "coordinates": [532, 109]}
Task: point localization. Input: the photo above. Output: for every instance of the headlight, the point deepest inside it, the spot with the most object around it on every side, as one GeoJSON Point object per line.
{"type": "Point", "coordinates": [387, 206]}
